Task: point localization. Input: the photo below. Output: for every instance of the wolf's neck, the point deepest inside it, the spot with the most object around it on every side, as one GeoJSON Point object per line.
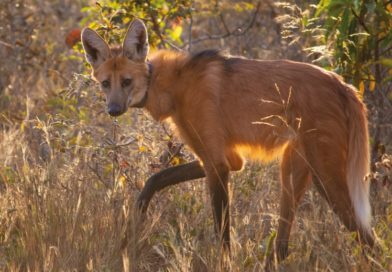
{"type": "Point", "coordinates": [164, 80]}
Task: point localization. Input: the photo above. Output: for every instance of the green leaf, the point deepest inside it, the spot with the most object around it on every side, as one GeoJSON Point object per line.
{"type": "Point", "coordinates": [386, 62]}
{"type": "Point", "coordinates": [322, 6]}
{"type": "Point", "coordinates": [386, 80]}
{"type": "Point", "coordinates": [344, 24]}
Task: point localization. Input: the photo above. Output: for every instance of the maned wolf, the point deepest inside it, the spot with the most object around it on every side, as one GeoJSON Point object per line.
{"type": "Point", "coordinates": [228, 108]}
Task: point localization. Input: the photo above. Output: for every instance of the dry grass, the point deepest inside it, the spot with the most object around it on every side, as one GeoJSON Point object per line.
{"type": "Point", "coordinates": [68, 183]}
{"type": "Point", "coordinates": [68, 187]}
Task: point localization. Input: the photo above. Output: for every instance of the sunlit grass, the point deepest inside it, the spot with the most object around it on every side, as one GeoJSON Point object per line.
{"type": "Point", "coordinates": [64, 211]}
{"type": "Point", "coordinates": [70, 175]}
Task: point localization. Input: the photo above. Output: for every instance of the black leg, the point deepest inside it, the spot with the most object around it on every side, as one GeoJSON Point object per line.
{"type": "Point", "coordinates": [218, 177]}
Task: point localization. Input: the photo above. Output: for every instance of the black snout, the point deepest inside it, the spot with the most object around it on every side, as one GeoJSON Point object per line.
{"type": "Point", "coordinates": [115, 109]}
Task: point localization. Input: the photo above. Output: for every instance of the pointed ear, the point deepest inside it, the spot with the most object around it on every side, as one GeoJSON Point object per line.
{"type": "Point", "coordinates": [95, 48]}
{"type": "Point", "coordinates": [135, 45]}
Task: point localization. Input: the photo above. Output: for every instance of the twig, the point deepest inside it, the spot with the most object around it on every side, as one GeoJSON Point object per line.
{"type": "Point", "coordinates": [360, 20]}
{"type": "Point", "coordinates": [170, 135]}
{"type": "Point", "coordinates": [190, 31]}
{"type": "Point", "coordinates": [6, 44]}
{"type": "Point", "coordinates": [386, 50]}
{"type": "Point", "coordinates": [173, 45]}
{"type": "Point", "coordinates": [235, 32]}
{"type": "Point", "coordinates": [224, 22]}
{"type": "Point", "coordinates": [115, 124]}
{"type": "Point", "coordinates": [101, 179]}
{"type": "Point", "coordinates": [175, 153]}
{"type": "Point", "coordinates": [155, 25]}
{"type": "Point", "coordinates": [125, 143]}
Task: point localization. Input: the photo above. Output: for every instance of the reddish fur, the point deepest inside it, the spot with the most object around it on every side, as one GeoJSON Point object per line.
{"type": "Point", "coordinates": [227, 109]}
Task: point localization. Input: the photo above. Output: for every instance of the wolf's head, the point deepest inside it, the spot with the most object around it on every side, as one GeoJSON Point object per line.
{"type": "Point", "coordinates": [121, 71]}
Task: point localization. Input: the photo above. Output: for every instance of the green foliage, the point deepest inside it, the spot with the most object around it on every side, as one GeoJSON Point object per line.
{"type": "Point", "coordinates": [358, 33]}
{"type": "Point", "coordinates": [163, 19]}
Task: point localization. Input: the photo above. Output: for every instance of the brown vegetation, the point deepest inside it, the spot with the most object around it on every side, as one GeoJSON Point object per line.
{"type": "Point", "coordinates": [70, 175]}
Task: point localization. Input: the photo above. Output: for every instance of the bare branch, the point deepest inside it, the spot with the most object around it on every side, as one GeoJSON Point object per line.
{"type": "Point", "coordinates": [190, 31]}
{"type": "Point", "coordinates": [155, 26]}
{"type": "Point", "coordinates": [360, 20]}
{"type": "Point", "coordinates": [6, 44]}
{"type": "Point", "coordinates": [174, 154]}
{"type": "Point", "coordinates": [237, 32]}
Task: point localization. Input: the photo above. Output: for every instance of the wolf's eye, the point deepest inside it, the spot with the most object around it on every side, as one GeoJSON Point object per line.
{"type": "Point", "coordinates": [105, 83]}
{"type": "Point", "coordinates": [126, 82]}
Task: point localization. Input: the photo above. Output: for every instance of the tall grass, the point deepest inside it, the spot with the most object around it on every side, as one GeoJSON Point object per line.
{"type": "Point", "coordinates": [66, 204]}
{"type": "Point", "coordinates": [70, 176]}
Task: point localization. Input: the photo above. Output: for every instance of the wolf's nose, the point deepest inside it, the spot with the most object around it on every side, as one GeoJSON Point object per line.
{"type": "Point", "coordinates": [114, 109]}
